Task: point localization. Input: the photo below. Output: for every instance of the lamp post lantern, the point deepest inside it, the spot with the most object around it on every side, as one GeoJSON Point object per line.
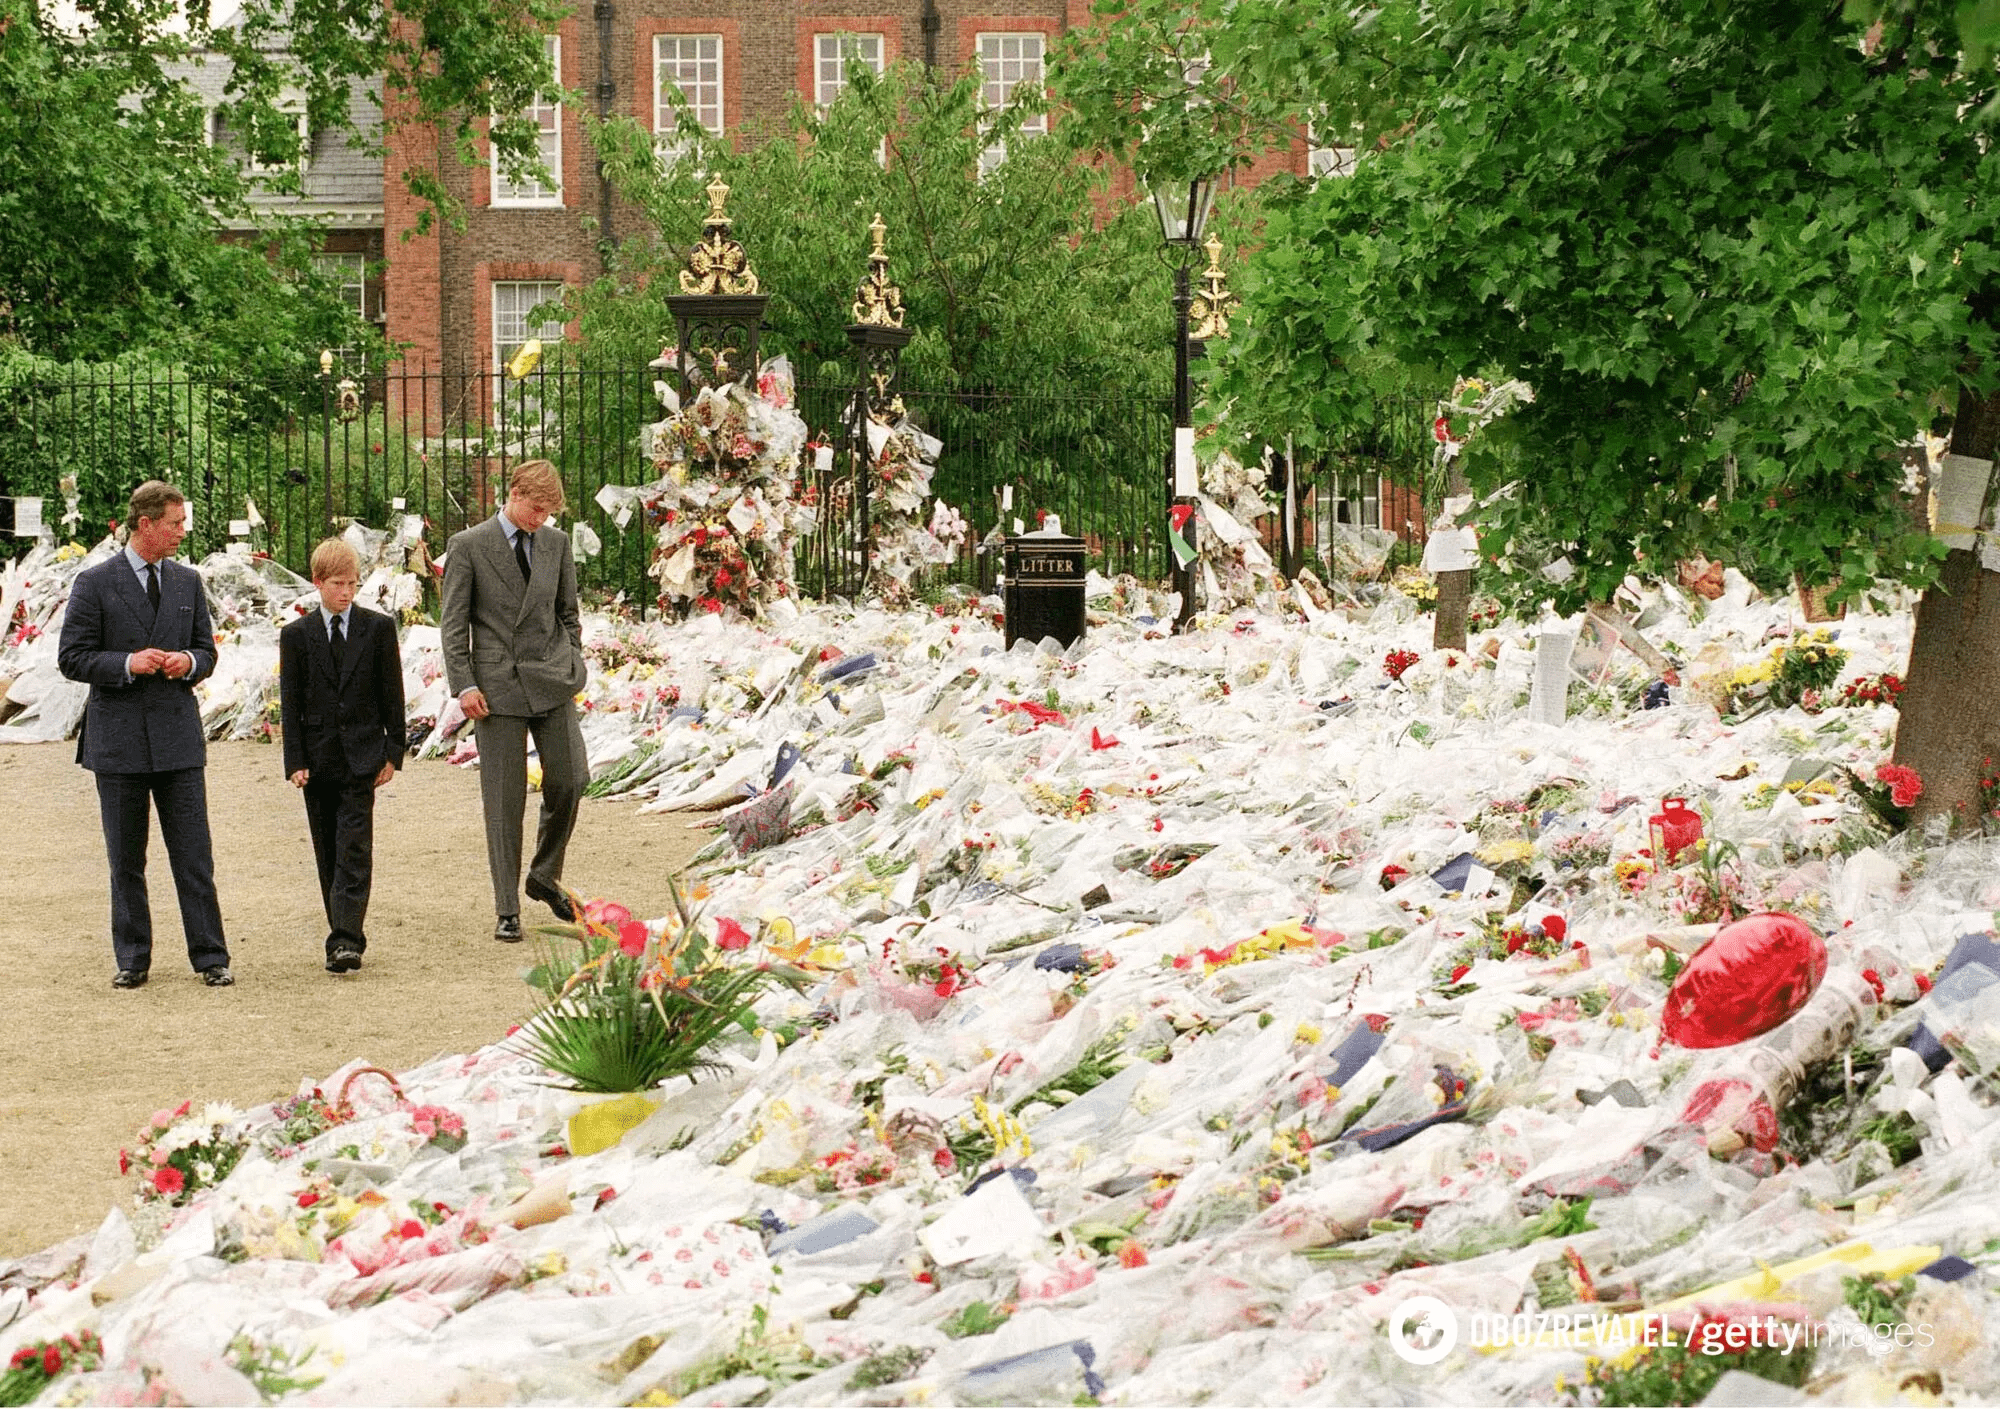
{"type": "Point", "coordinates": [1183, 210]}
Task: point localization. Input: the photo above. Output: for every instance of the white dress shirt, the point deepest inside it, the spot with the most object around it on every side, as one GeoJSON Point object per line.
{"type": "Point", "coordinates": [139, 566]}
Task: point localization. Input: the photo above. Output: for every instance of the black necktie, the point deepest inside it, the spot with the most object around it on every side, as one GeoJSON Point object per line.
{"type": "Point", "coordinates": [521, 554]}
{"type": "Point", "coordinates": [153, 586]}
{"type": "Point", "coordinates": [339, 643]}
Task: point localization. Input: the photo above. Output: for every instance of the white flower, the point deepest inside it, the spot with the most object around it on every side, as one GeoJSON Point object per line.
{"type": "Point", "coordinates": [219, 1113]}
{"type": "Point", "coordinates": [204, 1172]}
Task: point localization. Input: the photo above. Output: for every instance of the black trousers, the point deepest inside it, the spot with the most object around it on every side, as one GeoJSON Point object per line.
{"type": "Point", "coordinates": [125, 801]}
{"type": "Point", "coordinates": [340, 813]}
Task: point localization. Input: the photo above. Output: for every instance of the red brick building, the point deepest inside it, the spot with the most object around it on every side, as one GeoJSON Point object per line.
{"type": "Point", "coordinates": [460, 298]}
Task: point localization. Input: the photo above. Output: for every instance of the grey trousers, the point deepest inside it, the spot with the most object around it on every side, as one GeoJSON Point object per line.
{"type": "Point", "coordinates": [503, 788]}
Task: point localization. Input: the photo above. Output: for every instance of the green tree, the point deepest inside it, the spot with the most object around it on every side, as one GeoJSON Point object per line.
{"type": "Point", "coordinates": [1024, 276]}
{"type": "Point", "coordinates": [1741, 252]}
{"type": "Point", "coordinates": [1010, 275]}
{"type": "Point", "coordinates": [110, 192]}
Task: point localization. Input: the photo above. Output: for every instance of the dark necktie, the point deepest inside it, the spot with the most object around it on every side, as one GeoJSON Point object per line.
{"type": "Point", "coordinates": [339, 643]}
{"type": "Point", "coordinates": [521, 554]}
{"type": "Point", "coordinates": [153, 586]}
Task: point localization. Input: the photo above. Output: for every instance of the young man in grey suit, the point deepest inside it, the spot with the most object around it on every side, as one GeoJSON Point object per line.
{"type": "Point", "coordinates": [137, 631]}
{"type": "Point", "coordinates": [513, 654]}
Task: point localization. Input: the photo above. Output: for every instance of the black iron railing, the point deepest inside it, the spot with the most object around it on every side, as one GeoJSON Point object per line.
{"type": "Point", "coordinates": [299, 460]}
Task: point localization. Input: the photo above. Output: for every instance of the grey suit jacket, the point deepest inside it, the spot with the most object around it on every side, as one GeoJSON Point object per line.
{"type": "Point", "coordinates": [520, 643]}
{"type": "Point", "coordinates": [153, 724]}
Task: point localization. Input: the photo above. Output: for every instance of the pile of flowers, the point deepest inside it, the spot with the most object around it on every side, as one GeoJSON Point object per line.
{"type": "Point", "coordinates": [1886, 688]}
{"type": "Point", "coordinates": [31, 1368]}
{"type": "Point", "coordinates": [728, 505]}
{"type": "Point", "coordinates": [180, 1153]}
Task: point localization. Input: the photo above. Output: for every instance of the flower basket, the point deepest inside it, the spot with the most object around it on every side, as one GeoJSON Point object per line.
{"type": "Point", "coordinates": [343, 1108]}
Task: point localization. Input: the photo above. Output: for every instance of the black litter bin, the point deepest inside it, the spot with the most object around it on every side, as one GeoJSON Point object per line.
{"type": "Point", "coordinates": [1044, 594]}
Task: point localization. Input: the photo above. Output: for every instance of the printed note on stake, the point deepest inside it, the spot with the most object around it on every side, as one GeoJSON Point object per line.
{"type": "Point", "coordinates": [1961, 498]}
{"type": "Point", "coordinates": [27, 518]}
{"type": "Point", "coordinates": [1548, 700]}
{"type": "Point", "coordinates": [1186, 480]}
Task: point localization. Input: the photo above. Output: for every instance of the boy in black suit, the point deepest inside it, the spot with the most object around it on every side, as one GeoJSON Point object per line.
{"type": "Point", "coordinates": [340, 691]}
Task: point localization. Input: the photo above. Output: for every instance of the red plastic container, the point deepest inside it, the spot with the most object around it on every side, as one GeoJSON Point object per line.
{"type": "Point", "coordinates": [1674, 828]}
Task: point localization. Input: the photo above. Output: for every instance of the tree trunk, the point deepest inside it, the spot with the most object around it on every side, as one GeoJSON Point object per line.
{"type": "Point", "coordinates": [1454, 605]}
{"type": "Point", "coordinates": [1454, 588]}
{"type": "Point", "coordinates": [1947, 722]}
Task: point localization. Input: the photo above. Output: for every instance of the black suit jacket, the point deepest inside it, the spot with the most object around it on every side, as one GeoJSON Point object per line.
{"type": "Point", "coordinates": [346, 723]}
{"type": "Point", "coordinates": [149, 724]}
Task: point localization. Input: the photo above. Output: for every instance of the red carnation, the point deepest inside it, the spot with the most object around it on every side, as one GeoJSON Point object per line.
{"type": "Point", "coordinates": [632, 939]}
{"type": "Point", "coordinates": [730, 935]}
{"type": "Point", "coordinates": [51, 1362]}
{"type": "Point", "coordinates": [1554, 926]}
{"type": "Point", "coordinates": [168, 1180]}
{"type": "Point", "coordinates": [24, 1356]}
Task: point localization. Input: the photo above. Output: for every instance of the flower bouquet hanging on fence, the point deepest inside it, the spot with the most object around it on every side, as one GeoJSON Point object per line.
{"type": "Point", "coordinates": [728, 505]}
{"type": "Point", "coordinates": [902, 541]}
{"type": "Point", "coordinates": [1234, 564]}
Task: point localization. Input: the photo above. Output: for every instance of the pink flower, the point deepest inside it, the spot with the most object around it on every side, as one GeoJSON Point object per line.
{"type": "Point", "coordinates": [159, 1157]}
{"type": "Point", "coordinates": [605, 912]}
{"type": "Point", "coordinates": [632, 939]}
{"type": "Point", "coordinates": [730, 935]}
{"type": "Point", "coordinates": [168, 1180]}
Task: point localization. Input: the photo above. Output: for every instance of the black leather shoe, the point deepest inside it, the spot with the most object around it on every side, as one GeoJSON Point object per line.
{"type": "Point", "coordinates": [130, 978]}
{"type": "Point", "coordinates": [507, 929]}
{"type": "Point", "coordinates": [553, 898]}
{"type": "Point", "coordinates": [344, 959]}
{"type": "Point", "coordinates": [218, 977]}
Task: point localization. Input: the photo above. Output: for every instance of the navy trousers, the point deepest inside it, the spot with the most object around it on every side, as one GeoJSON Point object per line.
{"type": "Point", "coordinates": [125, 801]}
{"type": "Point", "coordinates": [341, 816]}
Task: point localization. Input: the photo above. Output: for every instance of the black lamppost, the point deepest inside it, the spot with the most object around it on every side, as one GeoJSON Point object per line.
{"type": "Point", "coordinates": [1183, 210]}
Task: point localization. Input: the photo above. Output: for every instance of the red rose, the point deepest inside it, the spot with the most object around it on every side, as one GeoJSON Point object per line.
{"type": "Point", "coordinates": [24, 1356]}
{"type": "Point", "coordinates": [308, 1198]}
{"type": "Point", "coordinates": [1460, 972]}
{"type": "Point", "coordinates": [168, 1180]}
{"type": "Point", "coordinates": [1554, 926]}
{"type": "Point", "coordinates": [410, 1229]}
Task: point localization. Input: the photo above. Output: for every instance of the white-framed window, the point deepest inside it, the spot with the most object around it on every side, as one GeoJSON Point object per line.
{"type": "Point", "coordinates": [514, 304]}
{"type": "Point", "coordinates": [834, 55]}
{"type": "Point", "coordinates": [1006, 61]}
{"type": "Point", "coordinates": [217, 132]}
{"type": "Point", "coordinates": [350, 272]}
{"type": "Point", "coordinates": [517, 188]}
{"type": "Point", "coordinates": [1327, 160]}
{"type": "Point", "coordinates": [691, 63]}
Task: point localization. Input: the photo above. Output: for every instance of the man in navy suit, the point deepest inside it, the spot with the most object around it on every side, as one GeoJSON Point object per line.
{"type": "Point", "coordinates": [137, 632]}
{"type": "Point", "coordinates": [340, 693]}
